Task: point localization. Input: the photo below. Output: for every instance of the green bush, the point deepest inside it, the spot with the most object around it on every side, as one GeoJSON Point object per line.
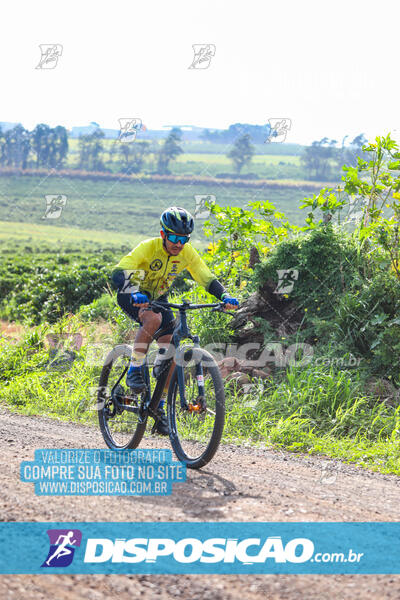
{"type": "Point", "coordinates": [45, 286]}
{"type": "Point", "coordinates": [101, 308]}
{"type": "Point", "coordinates": [327, 262]}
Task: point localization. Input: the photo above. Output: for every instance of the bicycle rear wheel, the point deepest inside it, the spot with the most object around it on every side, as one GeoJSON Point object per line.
{"type": "Point", "coordinates": [196, 431]}
{"type": "Point", "coordinates": [121, 429]}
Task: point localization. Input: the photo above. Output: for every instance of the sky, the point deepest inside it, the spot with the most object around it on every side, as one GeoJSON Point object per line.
{"type": "Point", "coordinates": [329, 67]}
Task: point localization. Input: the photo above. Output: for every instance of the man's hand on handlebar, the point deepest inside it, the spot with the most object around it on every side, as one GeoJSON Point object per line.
{"type": "Point", "coordinates": [230, 303]}
{"type": "Point", "coordinates": [140, 300]}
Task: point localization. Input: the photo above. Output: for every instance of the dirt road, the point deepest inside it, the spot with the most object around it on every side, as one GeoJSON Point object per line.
{"type": "Point", "coordinates": [241, 484]}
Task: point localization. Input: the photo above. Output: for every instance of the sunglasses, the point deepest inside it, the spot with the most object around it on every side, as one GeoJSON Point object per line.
{"type": "Point", "coordinates": [172, 237]}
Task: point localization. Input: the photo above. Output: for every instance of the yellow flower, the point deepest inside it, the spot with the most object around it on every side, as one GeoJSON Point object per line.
{"type": "Point", "coordinates": [243, 284]}
{"type": "Point", "coordinates": [212, 248]}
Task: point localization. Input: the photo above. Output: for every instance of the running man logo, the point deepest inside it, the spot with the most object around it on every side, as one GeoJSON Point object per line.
{"type": "Point", "coordinates": [203, 203]}
{"type": "Point", "coordinates": [203, 54]}
{"type": "Point", "coordinates": [62, 547]}
{"type": "Point", "coordinates": [61, 358]}
{"type": "Point", "coordinates": [133, 280]}
{"type": "Point", "coordinates": [129, 128]}
{"type": "Point", "coordinates": [278, 130]}
{"type": "Point", "coordinates": [356, 208]}
{"type": "Point", "coordinates": [50, 55]}
{"type": "Point", "coordinates": [287, 278]}
{"type": "Point", "coordinates": [54, 205]}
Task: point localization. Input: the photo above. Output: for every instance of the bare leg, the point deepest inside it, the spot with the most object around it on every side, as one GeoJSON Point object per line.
{"type": "Point", "coordinates": [151, 321]}
{"type": "Point", "coordinates": [164, 341]}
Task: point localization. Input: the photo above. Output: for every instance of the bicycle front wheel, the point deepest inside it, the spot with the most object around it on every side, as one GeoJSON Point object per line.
{"type": "Point", "coordinates": [196, 429]}
{"type": "Point", "coordinates": [119, 411]}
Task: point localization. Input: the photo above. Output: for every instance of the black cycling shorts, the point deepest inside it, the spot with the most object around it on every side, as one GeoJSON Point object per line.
{"type": "Point", "coordinates": [167, 320]}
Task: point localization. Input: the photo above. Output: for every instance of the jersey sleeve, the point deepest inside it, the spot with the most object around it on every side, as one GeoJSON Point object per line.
{"type": "Point", "coordinates": [198, 269]}
{"type": "Point", "coordinates": [137, 258]}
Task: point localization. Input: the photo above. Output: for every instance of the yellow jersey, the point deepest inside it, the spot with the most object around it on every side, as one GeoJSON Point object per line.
{"type": "Point", "coordinates": [155, 270]}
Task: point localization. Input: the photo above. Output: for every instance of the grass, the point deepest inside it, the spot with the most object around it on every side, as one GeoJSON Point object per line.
{"type": "Point", "coordinates": [312, 410]}
{"type": "Point", "coordinates": [319, 411]}
{"type": "Point", "coordinates": [264, 166]}
{"type": "Point", "coordinates": [12, 232]}
{"type": "Point", "coordinates": [127, 207]}
{"type": "Point", "coordinates": [222, 159]}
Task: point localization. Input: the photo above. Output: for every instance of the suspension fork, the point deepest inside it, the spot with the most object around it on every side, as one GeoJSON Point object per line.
{"type": "Point", "coordinates": [199, 375]}
{"type": "Point", "coordinates": [182, 332]}
{"type": "Point", "coordinates": [199, 371]}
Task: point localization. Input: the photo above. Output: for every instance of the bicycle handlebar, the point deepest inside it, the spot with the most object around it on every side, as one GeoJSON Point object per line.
{"type": "Point", "coordinates": [215, 306]}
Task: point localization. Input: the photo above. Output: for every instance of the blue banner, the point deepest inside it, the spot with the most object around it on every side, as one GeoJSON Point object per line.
{"type": "Point", "coordinates": [205, 548]}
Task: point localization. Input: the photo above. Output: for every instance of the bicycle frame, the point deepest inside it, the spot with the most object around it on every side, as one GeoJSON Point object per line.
{"type": "Point", "coordinates": [181, 331]}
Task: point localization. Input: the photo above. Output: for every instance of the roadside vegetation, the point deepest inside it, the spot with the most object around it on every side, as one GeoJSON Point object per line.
{"type": "Point", "coordinates": [341, 400]}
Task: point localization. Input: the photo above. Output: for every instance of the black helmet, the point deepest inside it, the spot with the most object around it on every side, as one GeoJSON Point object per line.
{"type": "Point", "coordinates": [177, 220]}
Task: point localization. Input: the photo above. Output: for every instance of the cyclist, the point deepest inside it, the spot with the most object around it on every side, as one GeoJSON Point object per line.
{"type": "Point", "coordinates": [153, 265]}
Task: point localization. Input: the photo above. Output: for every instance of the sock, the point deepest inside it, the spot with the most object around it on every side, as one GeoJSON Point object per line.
{"type": "Point", "coordinates": [136, 360]}
{"type": "Point", "coordinates": [162, 402]}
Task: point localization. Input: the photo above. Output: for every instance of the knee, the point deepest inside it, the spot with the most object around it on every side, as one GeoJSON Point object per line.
{"type": "Point", "coordinates": [150, 318]}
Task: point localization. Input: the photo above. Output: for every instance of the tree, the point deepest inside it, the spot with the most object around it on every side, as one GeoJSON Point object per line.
{"type": "Point", "coordinates": [2, 148]}
{"type": "Point", "coordinates": [318, 158]}
{"type": "Point", "coordinates": [112, 150]}
{"type": "Point", "coordinates": [242, 152]}
{"type": "Point", "coordinates": [58, 147]}
{"type": "Point", "coordinates": [354, 150]}
{"type": "Point", "coordinates": [40, 144]}
{"type": "Point", "coordinates": [49, 145]}
{"type": "Point", "coordinates": [17, 147]}
{"type": "Point", "coordinates": [169, 151]}
{"type": "Point", "coordinates": [133, 156]}
{"type": "Point", "coordinates": [91, 150]}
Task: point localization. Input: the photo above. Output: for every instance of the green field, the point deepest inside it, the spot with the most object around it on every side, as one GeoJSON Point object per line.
{"type": "Point", "coordinates": [209, 159]}
{"type": "Point", "coordinates": [33, 233]}
{"type": "Point", "coordinates": [125, 207]}
{"type": "Point", "coordinates": [222, 159]}
{"type": "Point", "coordinates": [264, 166]}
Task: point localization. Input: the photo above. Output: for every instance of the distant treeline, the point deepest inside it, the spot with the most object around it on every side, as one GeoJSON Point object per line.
{"type": "Point", "coordinates": [47, 147]}
{"type": "Point", "coordinates": [258, 133]}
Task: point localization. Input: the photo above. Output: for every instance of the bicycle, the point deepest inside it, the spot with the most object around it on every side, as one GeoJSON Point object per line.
{"type": "Point", "coordinates": [195, 403]}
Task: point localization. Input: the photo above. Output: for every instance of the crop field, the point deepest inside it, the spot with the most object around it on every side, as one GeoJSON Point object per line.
{"type": "Point", "coordinates": [125, 207]}
{"type": "Point", "coordinates": [16, 234]}
{"type": "Point", "coordinates": [264, 166]}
